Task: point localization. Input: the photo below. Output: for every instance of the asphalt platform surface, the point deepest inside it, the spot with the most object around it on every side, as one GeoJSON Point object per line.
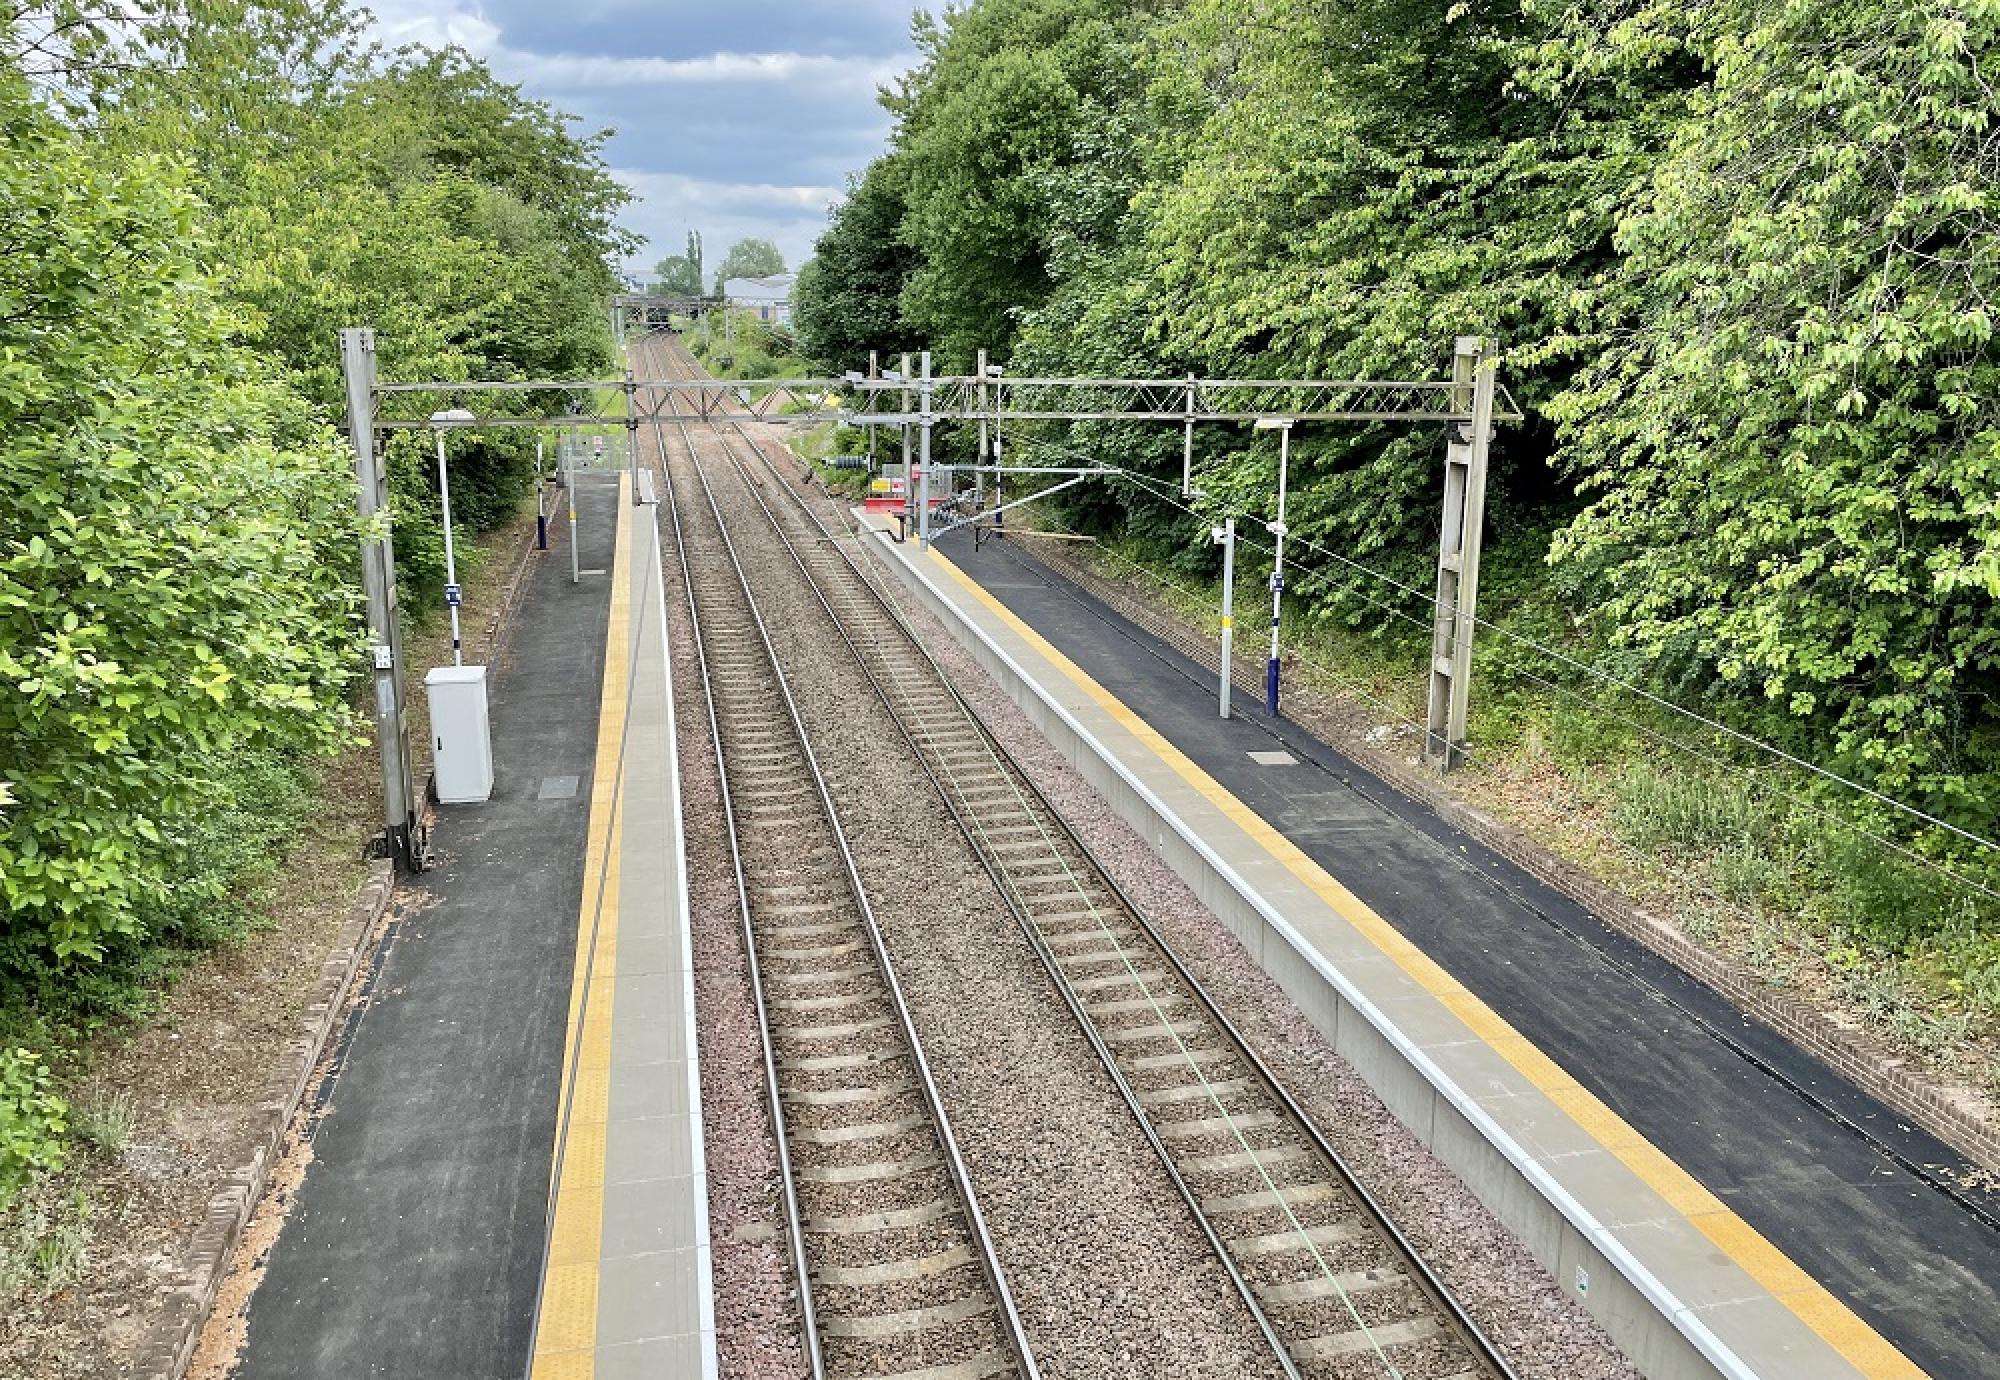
{"type": "Point", "coordinates": [415, 1245]}
{"type": "Point", "coordinates": [1825, 1172]}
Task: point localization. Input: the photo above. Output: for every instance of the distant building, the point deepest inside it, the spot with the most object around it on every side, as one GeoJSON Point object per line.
{"type": "Point", "coordinates": [770, 298]}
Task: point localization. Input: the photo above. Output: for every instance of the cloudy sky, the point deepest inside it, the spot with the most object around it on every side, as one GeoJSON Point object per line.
{"type": "Point", "coordinates": [733, 117]}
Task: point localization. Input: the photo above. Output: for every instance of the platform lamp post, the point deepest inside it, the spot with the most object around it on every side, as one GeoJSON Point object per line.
{"type": "Point", "coordinates": [441, 422]}
{"type": "Point", "coordinates": [1283, 426]}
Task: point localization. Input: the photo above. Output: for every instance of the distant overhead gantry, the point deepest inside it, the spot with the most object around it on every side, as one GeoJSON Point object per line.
{"type": "Point", "coordinates": [637, 313]}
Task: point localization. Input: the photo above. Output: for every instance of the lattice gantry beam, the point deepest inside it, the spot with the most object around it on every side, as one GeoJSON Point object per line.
{"type": "Point", "coordinates": [615, 402]}
{"type": "Point", "coordinates": [658, 302]}
{"type": "Point", "coordinates": [1181, 400]}
{"type": "Point", "coordinates": [895, 402]}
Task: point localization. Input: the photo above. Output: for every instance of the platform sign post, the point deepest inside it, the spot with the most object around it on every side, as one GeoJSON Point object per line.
{"type": "Point", "coordinates": [378, 580]}
{"type": "Point", "coordinates": [541, 502]}
{"type": "Point", "coordinates": [569, 491]}
{"type": "Point", "coordinates": [999, 492]}
{"type": "Point", "coordinates": [979, 469]}
{"type": "Point", "coordinates": [924, 450]}
{"type": "Point", "coordinates": [632, 432]}
{"type": "Point", "coordinates": [1225, 536]}
{"type": "Point", "coordinates": [1283, 426]}
{"type": "Point", "coordinates": [1187, 444]}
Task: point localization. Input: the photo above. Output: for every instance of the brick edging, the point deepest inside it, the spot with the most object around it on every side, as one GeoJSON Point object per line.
{"type": "Point", "coordinates": [169, 1344]}
{"type": "Point", "coordinates": [1888, 1077]}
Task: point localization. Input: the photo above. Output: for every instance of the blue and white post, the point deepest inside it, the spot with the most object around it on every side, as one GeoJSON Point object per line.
{"type": "Point", "coordinates": [1283, 426]}
{"type": "Point", "coordinates": [541, 503]}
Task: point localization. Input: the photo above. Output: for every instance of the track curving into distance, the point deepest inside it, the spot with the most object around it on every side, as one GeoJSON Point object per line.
{"type": "Point", "coordinates": [897, 1275]}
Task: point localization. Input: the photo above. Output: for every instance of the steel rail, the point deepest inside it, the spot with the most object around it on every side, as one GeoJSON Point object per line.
{"type": "Point", "coordinates": [1028, 929]}
{"type": "Point", "coordinates": [794, 1220]}
{"type": "Point", "coordinates": [1007, 1314]}
{"type": "Point", "coordinates": [1468, 1333]}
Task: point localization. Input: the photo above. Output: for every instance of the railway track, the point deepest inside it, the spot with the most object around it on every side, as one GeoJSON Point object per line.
{"type": "Point", "coordinates": [1335, 1287]}
{"type": "Point", "coordinates": [896, 1273]}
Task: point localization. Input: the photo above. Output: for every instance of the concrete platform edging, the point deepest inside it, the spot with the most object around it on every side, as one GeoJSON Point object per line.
{"type": "Point", "coordinates": [627, 1284]}
{"type": "Point", "coordinates": [1658, 1329]}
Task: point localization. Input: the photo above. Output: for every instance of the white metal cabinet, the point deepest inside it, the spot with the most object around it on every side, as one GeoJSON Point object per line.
{"type": "Point", "coordinates": [461, 741]}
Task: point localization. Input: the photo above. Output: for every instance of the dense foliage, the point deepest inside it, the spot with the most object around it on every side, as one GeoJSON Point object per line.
{"type": "Point", "coordinates": [750, 258]}
{"type": "Point", "coordinates": [192, 200]}
{"type": "Point", "coordinates": [1739, 258]}
{"type": "Point", "coordinates": [845, 299]}
{"type": "Point", "coordinates": [680, 275]}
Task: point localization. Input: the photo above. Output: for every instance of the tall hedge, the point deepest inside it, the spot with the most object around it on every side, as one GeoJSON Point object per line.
{"type": "Point", "coordinates": [175, 547]}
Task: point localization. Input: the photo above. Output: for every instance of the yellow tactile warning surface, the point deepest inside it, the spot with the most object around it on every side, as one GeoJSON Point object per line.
{"type": "Point", "coordinates": [1854, 1340]}
{"type": "Point", "coordinates": [566, 1324]}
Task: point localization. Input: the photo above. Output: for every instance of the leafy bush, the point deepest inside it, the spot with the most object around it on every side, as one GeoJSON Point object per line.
{"type": "Point", "coordinates": [1885, 898]}
{"type": "Point", "coordinates": [175, 575]}
{"type": "Point", "coordinates": [32, 1120]}
{"type": "Point", "coordinates": [189, 214]}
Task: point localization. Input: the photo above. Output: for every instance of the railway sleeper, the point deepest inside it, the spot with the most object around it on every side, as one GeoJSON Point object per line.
{"type": "Point", "coordinates": [839, 1032]}
{"type": "Point", "coordinates": [1158, 1001]}
{"type": "Point", "coordinates": [866, 1130]}
{"type": "Point", "coordinates": [892, 1271]}
{"type": "Point", "coordinates": [874, 1171]}
{"type": "Point", "coordinates": [850, 1096]}
{"type": "Point", "coordinates": [1216, 1125]}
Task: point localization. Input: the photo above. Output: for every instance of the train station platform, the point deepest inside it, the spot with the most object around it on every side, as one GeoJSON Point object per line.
{"type": "Point", "coordinates": [626, 1286]}
{"type": "Point", "coordinates": [1721, 1202]}
{"type": "Point", "coordinates": [534, 978]}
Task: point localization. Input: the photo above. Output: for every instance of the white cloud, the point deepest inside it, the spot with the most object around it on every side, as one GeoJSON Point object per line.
{"type": "Point", "coordinates": [694, 127]}
{"type": "Point", "coordinates": [435, 24]}
{"type": "Point", "coordinates": [669, 205]}
{"type": "Point", "coordinates": [825, 73]}
{"type": "Point", "coordinates": [440, 23]}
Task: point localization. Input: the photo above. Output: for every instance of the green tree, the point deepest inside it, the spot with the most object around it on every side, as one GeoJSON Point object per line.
{"type": "Point", "coordinates": [1006, 99]}
{"type": "Point", "coordinates": [472, 227]}
{"type": "Point", "coordinates": [680, 275]}
{"type": "Point", "coordinates": [750, 258]}
{"type": "Point", "coordinates": [191, 202]}
{"type": "Point", "coordinates": [1794, 458]}
{"type": "Point", "coordinates": [847, 299]}
{"type": "Point", "coordinates": [174, 567]}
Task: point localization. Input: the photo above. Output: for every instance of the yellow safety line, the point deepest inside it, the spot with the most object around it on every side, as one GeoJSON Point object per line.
{"type": "Point", "coordinates": [566, 1326]}
{"type": "Point", "coordinates": [1864, 1348]}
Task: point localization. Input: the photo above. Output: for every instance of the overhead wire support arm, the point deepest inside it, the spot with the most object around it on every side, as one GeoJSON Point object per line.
{"type": "Point", "coordinates": [1076, 477]}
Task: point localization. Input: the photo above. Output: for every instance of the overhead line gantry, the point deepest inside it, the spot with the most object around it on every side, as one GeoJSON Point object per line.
{"type": "Point", "coordinates": [1469, 404]}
